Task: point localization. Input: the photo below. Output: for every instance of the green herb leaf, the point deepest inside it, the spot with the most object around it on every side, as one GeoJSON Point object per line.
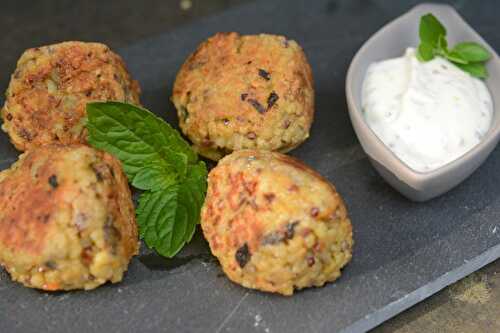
{"type": "Point", "coordinates": [468, 56]}
{"type": "Point", "coordinates": [425, 52]}
{"type": "Point", "coordinates": [455, 57]}
{"type": "Point", "coordinates": [476, 69]}
{"type": "Point", "coordinates": [156, 159]}
{"type": "Point", "coordinates": [177, 160]}
{"type": "Point", "coordinates": [167, 218]}
{"type": "Point", "coordinates": [471, 52]}
{"type": "Point", "coordinates": [430, 29]}
{"type": "Point", "coordinates": [156, 216]}
{"type": "Point", "coordinates": [154, 177]}
{"type": "Point", "coordinates": [442, 43]}
{"type": "Point", "coordinates": [133, 135]}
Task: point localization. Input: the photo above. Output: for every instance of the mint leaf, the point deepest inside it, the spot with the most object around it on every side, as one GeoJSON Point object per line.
{"type": "Point", "coordinates": [475, 69]}
{"type": "Point", "coordinates": [455, 57]}
{"type": "Point", "coordinates": [430, 29]}
{"type": "Point", "coordinates": [192, 192]}
{"type": "Point", "coordinates": [133, 135]}
{"type": "Point", "coordinates": [469, 56]}
{"type": "Point", "coordinates": [442, 43]}
{"type": "Point", "coordinates": [156, 217]}
{"type": "Point", "coordinates": [425, 52]}
{"type": "Point", "coordinates": [157, 160]}
{"type": "Point", "coordinates": [471, 52]}
{"type": "Point", "coordinates": [154, 177]}
{"type": "Point", "coordinates": [178, 161]}
{"type": "Point", "coordinates": [167, 218]}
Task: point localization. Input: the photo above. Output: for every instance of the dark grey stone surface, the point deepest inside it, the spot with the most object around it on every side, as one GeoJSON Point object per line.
{"type": "Point", "coordinates": [404, 251]}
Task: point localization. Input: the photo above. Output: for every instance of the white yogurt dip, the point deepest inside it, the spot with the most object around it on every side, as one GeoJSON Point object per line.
{"type": "Point", "coordinates": [428, 114]}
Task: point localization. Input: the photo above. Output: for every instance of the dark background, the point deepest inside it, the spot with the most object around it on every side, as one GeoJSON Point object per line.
{"type": "Point", "coordinates": [117, 23]}
{"type": "Point", "coordinates": [30, 23]}
{"type": "Point", "coordinates": [26, 24]}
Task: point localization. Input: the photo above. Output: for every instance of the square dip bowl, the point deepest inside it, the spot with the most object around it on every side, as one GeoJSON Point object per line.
{"type": "Point", "coordinates": [389, 42]}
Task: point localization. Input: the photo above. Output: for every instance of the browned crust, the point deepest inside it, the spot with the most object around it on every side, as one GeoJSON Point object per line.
{"type": "Point", "coordinates": [48, 92]}
{"type": "Point", "coordinates": [28, 200]}
{"type": "Point", "coordinates": [25, 223]}
{"type": "Point", "coordinates": [42, 198]}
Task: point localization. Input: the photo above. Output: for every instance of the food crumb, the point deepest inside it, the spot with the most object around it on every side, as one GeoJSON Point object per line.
{"type": "Point", "coordinates": [258, 319]}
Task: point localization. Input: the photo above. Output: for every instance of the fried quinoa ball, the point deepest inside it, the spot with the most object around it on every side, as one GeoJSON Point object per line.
{"type": "Point", "coordinates": [66, 219]}
{"type": "Point", "coordinates": [238, 92]}
{"type": "Point", "coordinates": [275, 224]}
{"type": "Point", "coordinates": [46, 98]}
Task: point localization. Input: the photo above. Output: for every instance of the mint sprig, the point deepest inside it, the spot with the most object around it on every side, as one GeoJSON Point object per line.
{"type": "Point", "coordinates": [430, 29]}
{"type": "Point", "coordinates": [468, 56]}
{"type": "Point", "coordinates": [157, 160]}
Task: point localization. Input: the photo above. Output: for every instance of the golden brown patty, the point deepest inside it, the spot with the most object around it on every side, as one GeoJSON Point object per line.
{"type": "Point", "coordinates": [66, 219]}
{"type": "Point", "coordinates": [238, 92]}
{"type": "Point", "coordinates": [46, 98]}
{"type": "Point", "coordinates": [275, 224]}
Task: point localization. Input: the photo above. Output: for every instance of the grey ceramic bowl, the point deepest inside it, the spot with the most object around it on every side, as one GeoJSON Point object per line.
{"type": "Point", "coordinates": [391, 41]}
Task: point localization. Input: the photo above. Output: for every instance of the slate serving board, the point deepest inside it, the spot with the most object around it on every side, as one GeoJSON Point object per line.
{"type": "Point", "coordinates": [404, 251]}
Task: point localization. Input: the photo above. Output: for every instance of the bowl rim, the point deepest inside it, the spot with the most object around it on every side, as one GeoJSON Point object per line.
{"type": "Point", "coordinates": [414, 179]}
